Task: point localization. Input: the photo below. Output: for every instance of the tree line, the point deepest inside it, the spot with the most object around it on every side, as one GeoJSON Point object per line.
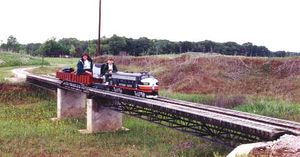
{"type": "Point", "coordinates": [117, 45]}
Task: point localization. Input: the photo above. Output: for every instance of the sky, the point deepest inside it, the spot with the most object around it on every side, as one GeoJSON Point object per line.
{"type": "Point", "coordinates": [271, 23]}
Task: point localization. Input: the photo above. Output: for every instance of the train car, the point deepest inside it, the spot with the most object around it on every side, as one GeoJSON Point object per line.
{"type": "Point", "coordinates": [139, 84]}
{"type": "Point", "coordinates": [71, 76]}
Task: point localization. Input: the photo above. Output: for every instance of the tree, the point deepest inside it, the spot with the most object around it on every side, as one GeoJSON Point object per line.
{"type": "Point", "coordinates": [248, 49]}
{"type": "Point", "coordinates": [139, 46]}
{"type": "Point", "coordinates": [52, 48]}
{"type": "Point", "coordinates": [91, 49]}
{"type": "Point", "coordinates": [117, 44]}
{"type": "Point", "coordinates": [208, 46]}
{"type": "Point", "coordinates": [69, 42]}
{"type": "Point", "coordinates": [72, 50]}
{"type": "Point", "coordinates": [12, 44]}
{"type": "Point", "coordinates": [279, 54]}
{"type": "Point", "coordinates": [32, 48]}
{"type": "Point", "coordinates": [3, 46]}
{"type": "Point", "coordinates": [186, 46]}
{"type": "Point", "coordinates": [231, 48]}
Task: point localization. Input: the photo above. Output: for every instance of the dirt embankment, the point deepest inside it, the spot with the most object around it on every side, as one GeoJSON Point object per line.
{"type": "Point", "coordinates": [220, 75]}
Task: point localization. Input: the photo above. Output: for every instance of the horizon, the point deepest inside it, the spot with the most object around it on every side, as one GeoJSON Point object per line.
{"type": "Point", "coordinates": [148, 38]}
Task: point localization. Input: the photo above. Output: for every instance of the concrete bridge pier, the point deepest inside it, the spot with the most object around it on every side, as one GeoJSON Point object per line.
{"type": "Point", "coordinates": [100, 118]}
{"type": "Point", "coordinates": [70, 104]}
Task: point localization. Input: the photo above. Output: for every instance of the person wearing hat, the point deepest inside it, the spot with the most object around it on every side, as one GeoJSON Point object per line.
{"type": "Point", "coordinates": [109, 67]}
{"type": "Point", "coordinates": [85, 65]}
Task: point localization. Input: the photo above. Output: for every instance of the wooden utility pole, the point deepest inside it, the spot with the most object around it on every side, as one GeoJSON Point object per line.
{"type": "Point", "coordinates": [99, 30]}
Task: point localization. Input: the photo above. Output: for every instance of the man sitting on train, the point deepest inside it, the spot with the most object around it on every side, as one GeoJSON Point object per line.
{"type": "Point", "coordinates": [108, 68]}
{"type": "Point", "coordinates": [85, 65]}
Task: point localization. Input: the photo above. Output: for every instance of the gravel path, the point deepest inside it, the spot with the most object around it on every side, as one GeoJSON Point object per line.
{"type": "Point", "coordinates": [20, 75]}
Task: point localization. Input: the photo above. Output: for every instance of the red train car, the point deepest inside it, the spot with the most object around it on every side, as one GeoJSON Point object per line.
{"type": "Point", "coordinates": [84, 79]}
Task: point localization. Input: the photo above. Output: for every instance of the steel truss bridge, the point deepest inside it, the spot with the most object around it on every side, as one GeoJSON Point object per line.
{"type": "Point", "coordinates": [216, 124]}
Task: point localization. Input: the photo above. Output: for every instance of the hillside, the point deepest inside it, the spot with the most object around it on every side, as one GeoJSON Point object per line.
{"type": "Point", "coordinates": [220, 75]}
{"type": "Point", "coordinates": [14, 59]}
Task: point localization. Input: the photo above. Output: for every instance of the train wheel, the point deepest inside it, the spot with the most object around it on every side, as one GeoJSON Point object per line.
{"type": "Point", "coordinates": [140, 94]}
{"type": "Point", "coordinates": [143, 94]}
{"type": "Point", "coordinates": [117, 90]}
{"type": "Point", "coordinates": [136, 93]}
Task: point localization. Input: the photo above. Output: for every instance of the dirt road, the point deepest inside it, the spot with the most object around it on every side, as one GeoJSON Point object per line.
{"type": "Point", "coordinates": [19, 75]}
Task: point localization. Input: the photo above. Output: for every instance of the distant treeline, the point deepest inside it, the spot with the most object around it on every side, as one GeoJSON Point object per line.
{"type": "Point", "coordinates": [117, 45]}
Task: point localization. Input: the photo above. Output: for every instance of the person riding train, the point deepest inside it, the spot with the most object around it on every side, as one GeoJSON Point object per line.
{"type": "Point", "coordinates": [85, 65]}
{"type": "Point", "coordinates": [108, 68]}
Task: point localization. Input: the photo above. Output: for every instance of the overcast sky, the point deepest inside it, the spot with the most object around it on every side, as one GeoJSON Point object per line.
{"type": "Point", "coordinates": [272, 23]}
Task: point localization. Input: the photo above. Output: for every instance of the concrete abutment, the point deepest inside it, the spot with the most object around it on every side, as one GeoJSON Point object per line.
{"type": "Point", "coordinates": [102, 119]}
{"type": "Point", "coordinates": [71, 104]}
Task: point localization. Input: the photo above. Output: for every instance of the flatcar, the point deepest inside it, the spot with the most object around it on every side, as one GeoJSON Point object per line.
{"type": "Point", "coordinates": [139, 84]}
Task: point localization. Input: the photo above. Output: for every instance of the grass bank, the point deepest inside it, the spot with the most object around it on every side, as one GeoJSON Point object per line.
{"type": "Point", "coordinates": [8, 59]}
{"type": "Point", "coordinates": [4, 73]}
{"type": "Point", "coordinates": [56, 64]}
{"type": "Point", "coordinates": [272, 108]}
{"type": "Point", "coordinates": [26, 130]}
{"type": "Point", "coordinates": [266, 106]}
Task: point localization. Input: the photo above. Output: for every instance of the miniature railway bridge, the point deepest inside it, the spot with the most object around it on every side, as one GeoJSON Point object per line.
{"type": "Point", "coordinates": [213, 123]}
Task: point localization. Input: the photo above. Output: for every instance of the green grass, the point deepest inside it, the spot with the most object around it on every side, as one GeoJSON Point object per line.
{"type": "Point", "coordinates": [54, 61]}
{"type": "Point", "coordinates": [55, 64]}
{"type": "Point", "coordinates": [197, 98]}
{"type": "Point", "coordinates": [26, 130]}
{"type": "Point", "coordinates": [5, 73]}
{"type": "Point", "coordinates": [273, 108]}
{"type": "Point", "coordinates": [15, 59]}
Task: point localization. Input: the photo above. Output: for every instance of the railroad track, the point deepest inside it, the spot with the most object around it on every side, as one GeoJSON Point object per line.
{"type": "Point", "coordinates": [293, 127]}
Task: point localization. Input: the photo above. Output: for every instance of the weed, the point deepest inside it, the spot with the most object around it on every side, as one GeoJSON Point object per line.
{"type": "Point", "coordinates": [228, 102]}
{"type": "Point", "coordinates": [197, 98]}
{"type": "Point", "coordinates": [273, 108]}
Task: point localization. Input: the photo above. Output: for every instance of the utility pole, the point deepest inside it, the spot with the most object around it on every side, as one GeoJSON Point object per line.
{"type": "Point", "coordinates": [99, 30]}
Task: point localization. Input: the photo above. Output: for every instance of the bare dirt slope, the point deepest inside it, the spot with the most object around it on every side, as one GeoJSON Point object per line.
{"type": "Point", "coordinates": [220, 75]}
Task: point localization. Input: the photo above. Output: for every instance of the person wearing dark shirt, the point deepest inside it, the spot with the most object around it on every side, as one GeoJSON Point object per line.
{"type": "Point", "coordinates": [109, 67]}
{"type": "Point", "coordinates": [107, 70]}
{"type": "Point", "coordinates": [85, 65]}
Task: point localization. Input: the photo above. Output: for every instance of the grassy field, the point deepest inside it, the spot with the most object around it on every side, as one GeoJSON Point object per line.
{"type": "Point", "coordinates": [26, 130]}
